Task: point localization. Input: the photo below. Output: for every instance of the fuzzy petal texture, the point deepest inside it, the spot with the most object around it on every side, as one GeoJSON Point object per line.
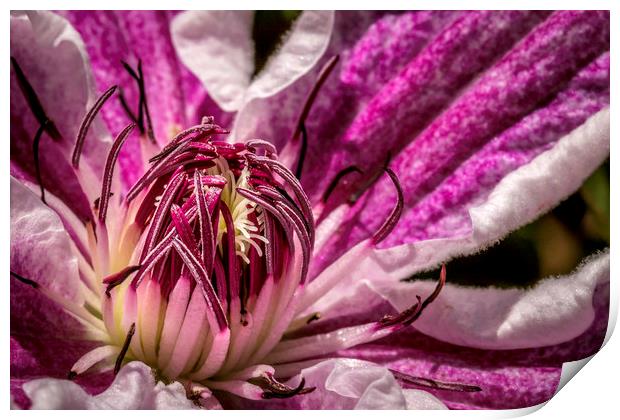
{"type": "Point", "coordinates": [507, 378]}
{"type": "Point", "coordinates": [305, 45]}
{"type": "Point", "coordinates": [553, 311]}
{"type": "Point", "coordinates": [217, 47]}
{"type": "Point", "coordinates": [133, 389]}
{"type": "Point", "coordinates": [518, 199]}
{"type": "Point", "coordinates": [449, 162]}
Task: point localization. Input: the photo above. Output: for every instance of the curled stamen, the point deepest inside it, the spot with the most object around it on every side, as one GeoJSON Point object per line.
{"type": "Point", "coordinates": [121, 355]}
{"type": "Point", "coordinates": [432, 383]}
{"type": "Point", "coordinates": [33, 101]}
{"type": "Point", "coordinates": [320, 80]}
{"type": "Point", "coordinates": [115, 279]}
{"type": "Point", "coordinates": [274, 389]}
{"type": "Point", "coordinates": [109, 171]}
{"type": "Point", "coordinates": [410, 315]}
{"type": "Point", "coordinates": [35, 155]}
{"type": "Point", "coordinates": [300, 128]}
{"type": "Point", "coordinates": [334, 183]}
{"type": "Point", "coordinates": [370, 181]}
{"type": "Point", "coordinates": [85, 125]}
{"type": "Point", "coordinates": [25, 280]}
{"type": "Point", "coordinates": [394, 216]}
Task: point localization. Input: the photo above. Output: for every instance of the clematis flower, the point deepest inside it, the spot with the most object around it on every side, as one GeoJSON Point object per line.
{"type": "Point", "coordinates": [187, 234]}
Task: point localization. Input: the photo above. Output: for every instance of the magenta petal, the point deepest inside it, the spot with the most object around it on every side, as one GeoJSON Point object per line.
{"type": "Point", "coordinates": [503, 121]}
{"type": "Point", "coordinates": [112, 37]}
{"type": "Point", "coordinates": [388, 45]}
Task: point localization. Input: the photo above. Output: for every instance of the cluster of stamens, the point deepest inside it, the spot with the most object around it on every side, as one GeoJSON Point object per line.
{"type": "Point", "coordinates": [219, 238]}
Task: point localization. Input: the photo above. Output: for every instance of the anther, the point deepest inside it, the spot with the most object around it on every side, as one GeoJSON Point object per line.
{"type": "Point", "coordinates": [274, 389]}
{"type": "Point", "coordinates": [394, 216]}
{"type": "Point", "coordinates": [432, 383]}
{"type": "Point", "coordinates": [143, 108]}
{"type": "Point", "coordinates": [370, 181]}
{"type": "Point", "coordinates": [115, 279]}
{"type": "Point", "coordinates": [410, 315]}
{"type": "Point", "coordinates": [109, 171]}
{"type": "Point", "coordinates": [121, 355]}
{"type": "Point", "coordinates": [85, 125]}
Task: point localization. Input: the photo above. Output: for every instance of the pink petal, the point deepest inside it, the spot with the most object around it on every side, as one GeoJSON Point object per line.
{"type": "Point", "coordinates": [508, 378]}
{"type": "Point", "coordinates": [53, 58]}
{"type": "Point", "coordinates": [518, 199]}
{"type": "Point", "coordinates": [41, 249]}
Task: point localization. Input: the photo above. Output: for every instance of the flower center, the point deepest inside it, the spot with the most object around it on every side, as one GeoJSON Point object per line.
{"type": "Point", "coordinates": [212, 247]}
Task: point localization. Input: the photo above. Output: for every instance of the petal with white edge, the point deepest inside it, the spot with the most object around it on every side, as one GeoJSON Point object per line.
{"type": "Point", "coordinates": [133, 388]}
{"type": "Point", "coordinates": [217, 47]}
{"type": "Point", "coordinates": [518, 199]}
{"type": "Point", "coordinates": [305, 44]}
{"type": "Point", "coordinates": [554, 311]}
{"type": "Point", "coordinates": [301, 50]}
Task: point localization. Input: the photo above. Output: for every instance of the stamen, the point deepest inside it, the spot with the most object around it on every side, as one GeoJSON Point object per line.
{"type": "Point", "coordinates": [320, 80]}
{"type": "Point", "coordinates": [394, 216]}
{"type": "Point", "coordinates": [109, 171]}
{"type": "Point", "coordinates": [410, 315]}
{"type": "Point", "coordinates": [35, 155]}
{"type": "Point", "coordinates": [432, 383]}
{"type": "Point", "coordinates": [33, 101]}
{"type": "Point", "coordinates": [274, 389]}
{"type": "Point", "coordinates": [202, 279]}
{"type": "Point", "coordinates": [25, 280]}
{"type": "Point", "coordinates": [207, 237]}
{"type": "Point", "coordinates": [332, 185]}
{"type": "Point", "coordinates": [121, 355]}
{"type": "Point", "coordinates": [300, 128]}
{"type": "Point", "coordinates": [370, 181]}
{"type": "Point", "coordinates": [115, 279]}
{"type": "Point", "coordinates": [86, 122]}
{"type": "Point", "coordinates": [98, 200]}
{"type": "Point", "coordinates": [233, 275]}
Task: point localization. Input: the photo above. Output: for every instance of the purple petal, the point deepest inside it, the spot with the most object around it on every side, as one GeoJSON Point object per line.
{"type": "Point", "coordinates": [112, 37]}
